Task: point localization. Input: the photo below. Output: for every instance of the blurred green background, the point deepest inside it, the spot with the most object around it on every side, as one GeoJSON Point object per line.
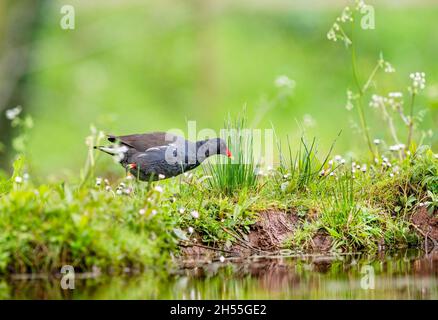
{"type": "Point", "coordinates": [138, 66]}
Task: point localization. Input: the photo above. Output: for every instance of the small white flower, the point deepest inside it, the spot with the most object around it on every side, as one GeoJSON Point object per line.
{"type": "Point", "coordinates": [389, 68]}
{"type": "Point", "coordinates": [391, 175]}
{"type": "Point", "coordinates": [18, 179]}
{"type": "Point", "coordinates": [153, 212]}
{"type": "Point", "coordinates": [284, 82]}
{"type": "Point", "coordinates": [330, 163]}
{"type": "Point", "coordinates": [129, 176]}
{"type": "Point", "coordinates": [26, 176]}
{"type": "Point", "coordinates": [181, 210]}
{"type": "Point", "coordinates": [127, 191]}
{"type": "Point", "coordinates": [161, 176]}
{"type": "Point", "coordinates": [259, 172]}
{"type": "Point", "coordinates": [158, 189]}
{"type": "Point", "coordinates": [11, 114]}
{"type": "Point", "coordinates": [222, 259]}
{"type": "Point", "coordinates": [195, 214]}
{"type": "Point", "coordinates": [108, 188]}
{"type": "Point", "coordinates": [98, 181]}
{"type": "Point", "coordinates": [395, 95]}
{"type": "Point", "coordinates": [418, 82]}
{"type": "Point", "coordinates": [338, 158]}
{"type": "Point", "coordinates": [119, 192]}
{"type": "Point", "coordinates": [191, 230]}
{"type": "Point", "coordinates": [377, 141]}
{"type": "Point", "coordinates": [342, 161]}
{"type": "Point", "coordinates": [322, 173]}
{"type": "Point", "coordinates": [142, 212]}
{"type": "Point", "coordinates": [364, 168]}
{"type": "Point", "coordinates": [397, 147]}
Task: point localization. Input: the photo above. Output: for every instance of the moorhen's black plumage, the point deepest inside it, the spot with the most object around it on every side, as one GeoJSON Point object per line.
{"type": "Point", "coordinates": [160, 155]}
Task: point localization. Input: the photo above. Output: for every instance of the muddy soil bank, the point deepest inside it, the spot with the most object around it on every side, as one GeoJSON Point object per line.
{"type": "Point", "coordinates": [273, 227]}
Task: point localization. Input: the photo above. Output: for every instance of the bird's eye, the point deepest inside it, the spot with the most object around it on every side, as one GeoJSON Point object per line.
{"type": "Point", "coordinates": [207, 153]}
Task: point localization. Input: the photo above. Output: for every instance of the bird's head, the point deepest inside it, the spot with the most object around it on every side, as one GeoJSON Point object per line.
{"type": "Point", "coordinates": [211, 147]}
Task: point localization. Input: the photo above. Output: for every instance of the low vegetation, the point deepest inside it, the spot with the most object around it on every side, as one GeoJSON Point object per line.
{"type": "Point", "coordinates": [361, 203]}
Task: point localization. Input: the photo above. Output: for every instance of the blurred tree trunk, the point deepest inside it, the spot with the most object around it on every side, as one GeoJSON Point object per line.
{"type": "Point", "coordinates": [18, 23]}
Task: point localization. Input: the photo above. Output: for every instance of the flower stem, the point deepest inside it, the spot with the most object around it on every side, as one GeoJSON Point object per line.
{"type": "Point", "coordinates": [411, 121]}
{"type": "Point", "coordinates": [361, 112]}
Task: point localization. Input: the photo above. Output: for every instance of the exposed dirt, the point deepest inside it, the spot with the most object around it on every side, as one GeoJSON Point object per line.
{"type": "Point", "coordinates": [275, 226]}
{"type": "Point", "coordinates": [321, 242]}
{"type": "Point", "coordinates": [267, 234]}
{"type": "Point", "coordinates": [428, 224]}
{"type": "Point", "coordinates": [272, 229]}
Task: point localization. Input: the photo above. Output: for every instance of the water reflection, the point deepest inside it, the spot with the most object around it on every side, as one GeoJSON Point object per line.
{"type": "Point", "coordinates": [409, 274]}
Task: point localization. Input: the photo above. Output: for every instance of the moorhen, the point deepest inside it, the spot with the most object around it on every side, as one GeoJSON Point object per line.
{"type": "Point", "coordinates": [160, 155]}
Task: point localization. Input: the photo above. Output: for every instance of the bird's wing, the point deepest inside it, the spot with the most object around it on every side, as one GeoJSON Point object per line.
{"type": "Point", "coordinates": [145, 141]}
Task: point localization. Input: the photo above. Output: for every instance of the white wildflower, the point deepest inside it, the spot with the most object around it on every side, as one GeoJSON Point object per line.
{"type": "Point", "coordinates": [181, 210]}
{"type": "Point", "coordinates": [158, 189]}
{"type": "Point", "coordinates": [153, 212]}
{"type": "Point", "coordinates": [98, 181]}
{"type": "Point", "coordinates": [108, 188]}
{"type": "Point", "coordinates": [418, 82]}
{"type": "Point", "coordinates": [18, 179]}
{"type": "Point", "coordinates": [161, 176]}
{"type": "Point", "coordinates": [308, 121]}
{"type": "Point", "coordinates": [395, 95]}
{"type": "Point", "coordinates": [11, 114]}
{"type": "Point", "coordinates": [389, 68]}
{"type": "Point", "coordinates": [191, 230]}
{"type": "Point", "coordinates": [142, 212]}
{"type": "Point", "coordinates": [26, 176]}
{"type": "Point", "coordinates": [222, 259]}
{"type": "Point", "coordinates": [284, 82]}
{"type": "Point", "coordinates": [377, 141]}
{"type": "Point", "coordinates": [195, 214]}
{"type": "Point", "coordinates": [119, 192]}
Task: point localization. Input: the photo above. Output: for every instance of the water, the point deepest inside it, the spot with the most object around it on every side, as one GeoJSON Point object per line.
{"type": "Point", "coordinates": [408, 274]}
